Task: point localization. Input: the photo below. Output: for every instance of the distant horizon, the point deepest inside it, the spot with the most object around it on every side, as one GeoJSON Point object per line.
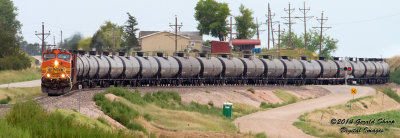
{"type": "Point", "coordinates": [361, 32]}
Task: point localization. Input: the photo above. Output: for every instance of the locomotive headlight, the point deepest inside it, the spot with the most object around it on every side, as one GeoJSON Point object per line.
{"type": "Point", "coordinates": [56, 63]}
{"type": "Point", "coordinates": [62, 75]}
{"type": "Point", "coordinates": [48, 75]}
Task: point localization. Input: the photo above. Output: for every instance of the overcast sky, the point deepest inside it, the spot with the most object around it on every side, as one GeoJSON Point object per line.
{"type": "Point", "coordinates": [364, 28]}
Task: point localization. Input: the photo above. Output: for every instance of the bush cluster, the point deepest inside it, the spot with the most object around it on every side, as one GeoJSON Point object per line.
{"type": "Point", "coordinates": [17, 61]}
{"type": "Point", "coordinates": [395, 76]}
{"type": "Point", "coordinates": [6, 100]}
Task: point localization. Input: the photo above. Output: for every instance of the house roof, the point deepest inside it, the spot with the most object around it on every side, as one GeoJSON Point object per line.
{"type": "Point", "coordinates": [162, 32]}
{"type": "Point", "coordinates": [246, 42]}
{"type": "Point", "coordinates": [192, 35]}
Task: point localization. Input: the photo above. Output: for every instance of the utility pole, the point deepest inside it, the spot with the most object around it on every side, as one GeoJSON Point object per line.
{"type": "Point", "coordinates": [268, 20]}
{"type": "Point", "coordinates": [270, 25]}
{"type": "Point", "coordinates": [321, 29]}
{"type": "Point", "coordinates": [258, 31]}
{"type": "Point", "coordinates": [304, 19]}
{"type": "Point", "coordinates": [289, 23]}
{"type": "Point", "coordinates": [279, 39]}
{"type": "Point", "coordinates": [230, 37]}
{"type": "Point", "coordinates": [61, 40]}
{"type": "Point", "coordinates": [42, 37]}
{"type": "Point", "coordinates": [177, 27]}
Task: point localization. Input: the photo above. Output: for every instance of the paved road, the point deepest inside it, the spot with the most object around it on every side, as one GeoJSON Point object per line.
{"type": "Point", "coordinates": [278, 122]}
{"type": "Point", "coordinates": [33, 83]}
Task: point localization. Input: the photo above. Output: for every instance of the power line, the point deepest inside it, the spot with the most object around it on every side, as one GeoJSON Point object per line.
{"type": "Point", "coordinates": [289, 23]}
{"type": "Point", "coordinates": [279, 39]}
{"type": "Point", "coordinates": [177, 27]}
{"type": "Point", "coordinates": [42, 37]}
{"type": "Point", "coordinates": [304, 19]}
{"type": "Point", "coordinates": [321, 21]}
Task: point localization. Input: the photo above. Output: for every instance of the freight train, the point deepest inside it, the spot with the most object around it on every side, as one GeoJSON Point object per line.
{"type": "Point", "coordinates": [63, 71]}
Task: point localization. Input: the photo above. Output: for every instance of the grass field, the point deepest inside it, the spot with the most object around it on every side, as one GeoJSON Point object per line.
{"type": "Point", "coordinates": [163, 109]}
{"type": "Point", "coordinates": [388, 115]}
{"type": "Point", "coordinates": [82, 120]}
{"type": "Point", "coordinates": [11, 76]}
{"type": "Point", "coordinates": [182, 120]}
{"type": "Point", "coordinates": [19, 94]}
{"type": "Point", "coordinates": [28, 120]}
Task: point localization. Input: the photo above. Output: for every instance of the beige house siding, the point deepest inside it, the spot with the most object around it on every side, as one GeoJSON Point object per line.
{"type": "Point", "coordinates": [162, 42]}
{"type": "Point", "coordinates": [197, 45]}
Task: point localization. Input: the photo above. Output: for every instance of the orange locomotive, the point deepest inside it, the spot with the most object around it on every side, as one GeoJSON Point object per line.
{"type": "Point", "coordinates": [56, 71]}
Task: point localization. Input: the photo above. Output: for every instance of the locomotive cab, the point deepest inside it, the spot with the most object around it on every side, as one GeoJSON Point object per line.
{"type": "Point", "coordinates": [56, 72]}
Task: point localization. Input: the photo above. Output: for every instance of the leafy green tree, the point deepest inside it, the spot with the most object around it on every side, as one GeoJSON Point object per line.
{"type": "Point", "coordinates": [108, 33]}
{"type": "Point", "coordinates": [11, 39]}
{"type": "Point", "coordinates": [244, 23]}
{"type": "Point", "coordinates": [71, 43]}
{"type": "Point", "coordinates": [98, 40]}
{"type": "Point", "coordinates": [84, 44]}
{"type": "Point", "coordinates": [130, 32]}
{"type": "Point", "coordinates": [9, 29]}
{"type": "Point", "coordinates": [211, 16]}
{"type": "Point", "coordinates": [329, 44]}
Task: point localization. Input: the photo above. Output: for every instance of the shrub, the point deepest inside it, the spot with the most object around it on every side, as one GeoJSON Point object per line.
{"type": "Point", "coordinates": [395, 76]}
{"type": "Point", "coordinates": [5, 101]}
{"type": "Point", "coordinates": [251, 90]}
{"type": "Point", "coordinates": [260, 135]}
{"type": "Point", "coordinates": [15, 61]}
{"type": "Point", "coordinates": [103, 121]}
{"type": "Point", "coordinates": [207, 91]}
{"type": "Point", "coordinates": [147, 117]}
{"type": "Point", "coordinates": [211, 103]}
{"type": "Point", "coordinates": [269, 105]}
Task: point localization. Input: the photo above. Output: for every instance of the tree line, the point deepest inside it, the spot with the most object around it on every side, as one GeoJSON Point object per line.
{"type": "Point", "coordinates": [11, 56]}
{"type": "Point", "coordinates": [212, 20]}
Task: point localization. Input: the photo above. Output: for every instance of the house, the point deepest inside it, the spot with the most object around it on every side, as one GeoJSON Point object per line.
{"type": "Point", "coordinates": [245, 45]}
{"type": "Point", "coordinates": [164, 41]}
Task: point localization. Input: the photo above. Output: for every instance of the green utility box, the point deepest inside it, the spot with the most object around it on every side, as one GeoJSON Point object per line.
{"type": "Point", "coordinates": [227, 110]}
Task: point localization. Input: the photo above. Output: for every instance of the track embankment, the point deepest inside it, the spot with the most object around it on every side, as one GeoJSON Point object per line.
{"type": "Point", "coordinates": [277, 122]}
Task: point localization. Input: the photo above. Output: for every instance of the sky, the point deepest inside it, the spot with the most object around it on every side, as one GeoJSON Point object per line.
{"type": "Point", "coordinates": [364, 28]}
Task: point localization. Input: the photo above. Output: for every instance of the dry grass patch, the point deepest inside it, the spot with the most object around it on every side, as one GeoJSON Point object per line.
{"type": "Point", "coordinates": [181, 120]}
{"type": "Point", "coordinates": [20, 94]}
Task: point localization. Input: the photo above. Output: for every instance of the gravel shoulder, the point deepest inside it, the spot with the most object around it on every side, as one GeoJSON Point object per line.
{"type": "Point", "coordinates": [277, 122]}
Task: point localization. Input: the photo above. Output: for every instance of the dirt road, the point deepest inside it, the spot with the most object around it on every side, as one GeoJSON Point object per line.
{"type": "Point", "coordinates": [278, 122]}
{"type": "Point", "coordinates": [33, 83]}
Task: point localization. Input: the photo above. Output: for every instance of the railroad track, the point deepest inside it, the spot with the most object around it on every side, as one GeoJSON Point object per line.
{"type": "Point", "coordinates": [44, 99]}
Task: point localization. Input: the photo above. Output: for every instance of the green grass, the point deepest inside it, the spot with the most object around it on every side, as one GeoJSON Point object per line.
{"type": "Point", "coordinates": [118, 111]}
{"type": "Point", "coordinates": [82, 120]}
{"type": "Point", "coordinates": [19, 94]}
{"type": "Point", "coordinates": [388, 115]}
{"type": "Point", "coordinates": [6, 100]}
{"type": "Point", "coordinates": [395, 76]}
{"type": "Point", "coordinates": [165, 109]}
{"type": "Point", "coordinates": [285, 96]}
{"type": "Point", "coordinates": [392, 94]}
{"type": "Point", "coordinates": [260, 135]}
{"type": "Point", "coordinates": [30, 120]}
{"type": "Point", "coordinates": [11, 76]}
{"type": "Point", "coordinates": [359, 99]}
{"type": "Point", "coordinates": [251, 90]}
{"type": "Point", "coordinates": [240, 109]}
{"type": "Point", "coordinates": [310, 129]}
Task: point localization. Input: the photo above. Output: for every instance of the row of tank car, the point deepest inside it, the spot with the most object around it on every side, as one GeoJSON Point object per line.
{"type": "Point", "coordinates": [105, 70]}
